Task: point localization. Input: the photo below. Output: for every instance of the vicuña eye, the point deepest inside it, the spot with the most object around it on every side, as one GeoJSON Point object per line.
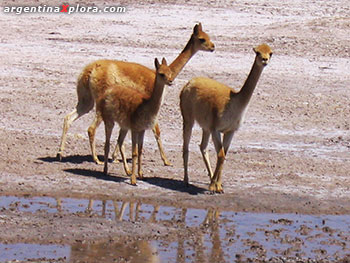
{"type": "Point", "coordinates": [202, 40]}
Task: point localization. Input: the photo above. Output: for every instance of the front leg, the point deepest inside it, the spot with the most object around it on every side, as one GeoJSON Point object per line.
{"type": "Point", "coordinates": [204, 151]}
{"type": "Point", "coordinates": [108, 129]}
{"type": "Point", "coordinates": [187, 131]}
{"type": "Point", "coordinates": [134, 139]}
{"type": "Point", "coordinates": [156, 132]}
{"type": "Point", "coordinates": [227, 141]}
{"type": "Point", "coordinates": [140, 148]}
{"type": "Point", "coordinates": [215, 182]}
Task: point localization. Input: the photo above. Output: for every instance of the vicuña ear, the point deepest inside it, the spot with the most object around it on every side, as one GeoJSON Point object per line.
{"type": "Point", "coordinates": [164, 62]}
{"type": "Point", "coordinates": [196, 29]}
{"type": "Point", "coordinates": [156, 63]}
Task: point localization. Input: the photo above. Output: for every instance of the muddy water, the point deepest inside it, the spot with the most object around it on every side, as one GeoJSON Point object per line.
{"type": "Point", "coordinates": [213, 236]}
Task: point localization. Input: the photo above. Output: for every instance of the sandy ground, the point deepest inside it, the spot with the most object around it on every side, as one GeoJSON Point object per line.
{"type": "Point", "coordinates": [291, 155]}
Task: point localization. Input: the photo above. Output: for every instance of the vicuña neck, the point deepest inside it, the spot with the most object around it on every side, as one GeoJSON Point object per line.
{"type": "Point", "coordinates": [154, 102]}
{"type": "Point", "coordinates": [249, 85]}
{"type": "Point", "coordinates": [177, 65]}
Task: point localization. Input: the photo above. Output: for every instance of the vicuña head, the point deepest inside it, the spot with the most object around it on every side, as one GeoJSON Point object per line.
{"type": "Point", "coordinates": [201, 39]}
{"type": "Point", "coordinates": [163, 72]}
{"type": "Point", "coordinates": [263, 54]}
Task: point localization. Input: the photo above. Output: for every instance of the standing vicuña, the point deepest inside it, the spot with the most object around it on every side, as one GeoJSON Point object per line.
{"type": "Point", "coordinates": [133, 110]}
{"type": "Point", "coordinates": [218, 109]}
{"type": "Point", "coordinates": [89, 87]}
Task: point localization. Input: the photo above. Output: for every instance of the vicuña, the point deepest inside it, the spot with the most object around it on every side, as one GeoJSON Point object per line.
{"type": "Point", "coordinates": [135, 111]}
{"type": "Point", "coordinates": [217, 109]}
{"type": "Point", "coordinates": [100, 75]}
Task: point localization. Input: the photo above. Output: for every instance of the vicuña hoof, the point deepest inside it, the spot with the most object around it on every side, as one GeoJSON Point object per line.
{"type": "Point", "coordinates": [167, 163]}
{"type": "Point", "coordinates": [128, 172]}
{"type": "Point", "coordinates": [215, 188]}
{"type": "Point", "coordinates": [140, 176]}
{"type": "Point", "coordinates": [133, 182]}
{"type": "Point", "coordinates": [97, 161]}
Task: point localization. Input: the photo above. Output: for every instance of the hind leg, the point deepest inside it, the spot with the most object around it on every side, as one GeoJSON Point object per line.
{"type": "Point", "coordinates": [121, 137]}
{"type": "Point", "coordinates": [68, 119]}
{"type": "Point", "coordinates": [92, 132]}
{"type": "Point", "coordinates": [120, 146]}
{"type": "Point", "coordinates": [156, 132]}
{"type": "Point", "coordinates": [85, 104]}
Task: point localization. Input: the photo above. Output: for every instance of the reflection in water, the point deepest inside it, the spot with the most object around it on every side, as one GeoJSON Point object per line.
{"type": "Point", "coordinates": [133, 252]}
{"type": "Point", "coordinates": [199, 235]}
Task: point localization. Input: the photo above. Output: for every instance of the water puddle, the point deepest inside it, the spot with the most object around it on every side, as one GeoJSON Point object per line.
{"type": "Point", "coordinates": [29, 252]}
{"type": "Point", "coordinates": [211, 235]}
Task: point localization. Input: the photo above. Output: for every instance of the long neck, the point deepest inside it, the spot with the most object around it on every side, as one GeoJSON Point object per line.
{"type": "Point", "coordinates": [249, 85]}
{"type": "Point", "coordinates": [154, 102]}
{"type": "Point", "coordinates": [177, 65]}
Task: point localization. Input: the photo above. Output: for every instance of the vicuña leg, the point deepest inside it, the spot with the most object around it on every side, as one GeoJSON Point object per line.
{"type": "Point", "coordinates": [215, 183]}
{"type": "Point", "coordinates": [108, 129]}
{"type": "Point", "coordinates": [227, 141]}
{"type": "Point", "coordinates": [187, 131]}
{"type": "Point", "coordinates": [134, 141]}
{"type": "Point", "coordinates": [92, 132]}
{"type": "Point", "coordinates": [156, 132]}
{"type": "Point", "coordinates": [120, 146]}
{"type": "Point", "coordinates": [85, 104]}
{"type": "Point", "coordinates": [204, 151]}
{"type": "Point", "coordinates": [139, 152]}
{"type": "Point", "coordinates": [68, 119]}
{"type": "Point", "coordinates": [115, 153]}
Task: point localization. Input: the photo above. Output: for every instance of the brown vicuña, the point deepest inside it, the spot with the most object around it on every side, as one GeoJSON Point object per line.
{"type": "Point", "coordinates": [134, 75]}
{"type": "Point", "coordinates": [217, 109]}
{"type": "Point", "coordinates": [135, 111]}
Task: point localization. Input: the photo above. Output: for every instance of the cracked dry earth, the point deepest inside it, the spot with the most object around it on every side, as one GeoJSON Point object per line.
{"type": "Point", "coordinates": [286, 176]}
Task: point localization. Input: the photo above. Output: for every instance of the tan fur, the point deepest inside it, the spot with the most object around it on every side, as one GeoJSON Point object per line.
{"type": "Point", "coordinates": [133, 110]}
{"type": "Point", "coordinates": [211, 93]}
{"type": "Point", "coordinates": [101, 75]}
{"type": "Point", "coordinates": [217, 109]}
